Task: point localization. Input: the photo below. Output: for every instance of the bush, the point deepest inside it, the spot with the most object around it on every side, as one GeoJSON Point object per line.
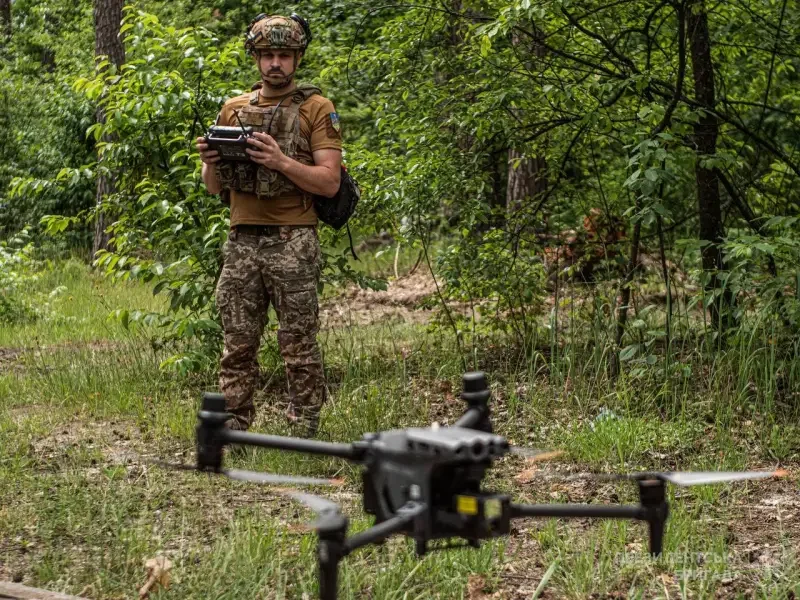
{"type": "Point", "coordinates": [18, 272]}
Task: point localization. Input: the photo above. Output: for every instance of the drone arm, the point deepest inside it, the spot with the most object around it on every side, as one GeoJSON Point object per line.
{"type": "Point", "coordinates": [405, 516]}
{"type": "Point", "coordinates": [212, 436]}
{"type": "Point", "coordinates": [598, 511]}
{"type": "Point", "coordinates": [471, 418]}
{"type": "Point", "coordinates": [244, 438]}
{"type": "Point", "coordinates": [653, 509]}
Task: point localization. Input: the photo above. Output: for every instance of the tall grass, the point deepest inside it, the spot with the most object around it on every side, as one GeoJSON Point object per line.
{"type": "Point", "coordinates": [84, 406]}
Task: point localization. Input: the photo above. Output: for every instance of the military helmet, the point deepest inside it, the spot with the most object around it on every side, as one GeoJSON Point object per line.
{"type": "Point", "coordinates": [276, 31]}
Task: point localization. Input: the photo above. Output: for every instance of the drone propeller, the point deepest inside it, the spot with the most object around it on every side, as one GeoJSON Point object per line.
{"type": "Point", "coordinates": [679, 478]}
{"type": "Point", "coordinates": [532, 454]}
{"type": "Point", "coordinates": [256, 477]}
{"type": "Point", "coordinates": [689, 478]}
{"type": "Point", "coordinates": [329, 515]}
{"type": "Point", "coordinates": [272, 478]}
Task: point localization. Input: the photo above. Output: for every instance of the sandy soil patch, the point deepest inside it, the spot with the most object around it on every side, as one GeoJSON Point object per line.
{"type": "Point", "coordinates": [398, 303]}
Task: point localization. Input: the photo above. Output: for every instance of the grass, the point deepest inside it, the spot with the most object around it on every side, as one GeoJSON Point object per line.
{"type": "Point", "coordinates": [84, 407]}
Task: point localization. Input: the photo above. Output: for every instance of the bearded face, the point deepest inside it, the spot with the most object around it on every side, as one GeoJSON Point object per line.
{"type": "Point", "coordinates": [277, 66]}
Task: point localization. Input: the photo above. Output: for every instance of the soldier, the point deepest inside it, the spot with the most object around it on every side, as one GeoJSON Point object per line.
{"type": "Point", "coordinates": [272, 254]}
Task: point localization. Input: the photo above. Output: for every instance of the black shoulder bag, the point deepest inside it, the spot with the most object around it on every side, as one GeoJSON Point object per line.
{"type": "Point", "coordinates": [337, 211]}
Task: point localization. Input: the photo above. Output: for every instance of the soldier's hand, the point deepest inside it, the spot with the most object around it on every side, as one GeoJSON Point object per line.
{"type": "Point", "coordinates": [207, 156]}
{"type": "Point", "coordinates": [265, 151]}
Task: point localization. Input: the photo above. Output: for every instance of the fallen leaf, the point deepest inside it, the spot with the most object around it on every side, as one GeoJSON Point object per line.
{"type": "Point", "coordinates": [157, 574]}
{"type": "Point", "coordinates": [527, 475]}
{"type": "Point", "coordinates": [299, 528]}
{"type": "Point", "coordinates": [475, 586]}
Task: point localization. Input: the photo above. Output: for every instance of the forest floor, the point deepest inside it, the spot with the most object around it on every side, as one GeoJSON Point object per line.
{"type": "Point", "coordinates": [85, 411]}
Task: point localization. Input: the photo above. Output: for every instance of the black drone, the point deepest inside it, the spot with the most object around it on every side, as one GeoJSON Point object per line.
{"type": "Point", "coordinates": [425, 483]}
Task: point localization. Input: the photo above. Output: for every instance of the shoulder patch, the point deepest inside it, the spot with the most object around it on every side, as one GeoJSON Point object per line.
{"type": "Point", "coordinates": [333, 126]}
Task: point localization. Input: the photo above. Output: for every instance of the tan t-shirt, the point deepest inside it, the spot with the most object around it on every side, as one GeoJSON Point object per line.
{"type": "Point", "coordinates": [319, 125]}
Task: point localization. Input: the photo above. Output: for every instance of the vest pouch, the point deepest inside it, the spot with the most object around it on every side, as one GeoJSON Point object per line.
{"type": "Point", "coordinates": [245, 177]}
{"type": "Point", "coordinates": [253, 116]}
{"type": "Point", "coordinates": [284, 127]}
{"type": "Point", "coordinates": [238, 176]}
{"type": "Point", "coordinates": [225, 174]}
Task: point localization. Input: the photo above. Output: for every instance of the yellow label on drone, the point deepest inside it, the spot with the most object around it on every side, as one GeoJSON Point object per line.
{"type": "Point", "coordinates": [492, 509]}
{"type": "Point", "coordinates": [467, 505]}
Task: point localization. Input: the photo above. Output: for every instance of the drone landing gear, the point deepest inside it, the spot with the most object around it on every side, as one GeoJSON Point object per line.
{"type": "Point", "coordinates": [333, 544]}
{"type": "Point", "coordinates": [652, 495]}
{"type": "Point", "coordinates": [330, 552]}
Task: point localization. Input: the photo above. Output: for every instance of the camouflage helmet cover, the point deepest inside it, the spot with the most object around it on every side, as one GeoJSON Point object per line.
{"type": "Point", "coordinates": [275, 32]}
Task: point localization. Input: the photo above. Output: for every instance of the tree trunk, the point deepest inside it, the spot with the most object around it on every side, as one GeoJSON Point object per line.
{"type": "Point", "coordinates": [625, 297]}
{"type": "Point", "coordinates": [5, 18]}
{"type": "Point", "coordinates": [526, 180]}
{"type": "Point", "coordinates": [495, 166]}
{"type": "Point", "coordinates": [107, 20]}
{"type": "Point", "coordinates": [527, 176]}
{"type": "Point", "coordinates": [706, 130]}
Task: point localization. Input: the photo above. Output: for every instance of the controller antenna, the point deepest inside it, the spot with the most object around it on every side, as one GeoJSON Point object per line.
{"type": "Point", "coordinates": [236, 112]}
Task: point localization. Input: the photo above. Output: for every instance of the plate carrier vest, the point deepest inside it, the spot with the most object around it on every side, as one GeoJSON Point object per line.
{"type": "Point", "coordinates": [282, 122]}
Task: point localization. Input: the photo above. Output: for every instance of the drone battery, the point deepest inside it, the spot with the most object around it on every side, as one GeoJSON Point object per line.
{"type": "Point", "coordinates": [230, 142]}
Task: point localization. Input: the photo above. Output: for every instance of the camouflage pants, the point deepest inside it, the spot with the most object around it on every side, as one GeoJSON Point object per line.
{"type": "Point", "coordinates": [282, 269]}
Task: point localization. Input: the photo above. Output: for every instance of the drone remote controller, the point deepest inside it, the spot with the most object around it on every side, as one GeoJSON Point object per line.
{"type": "Point", "coordinates": [230, 142]}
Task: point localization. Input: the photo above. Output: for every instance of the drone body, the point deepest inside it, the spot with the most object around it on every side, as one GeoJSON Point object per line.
{"type": "Point", "coordinates": [441, 468]}
{"type": "Point", "coordinates": [426, 483]}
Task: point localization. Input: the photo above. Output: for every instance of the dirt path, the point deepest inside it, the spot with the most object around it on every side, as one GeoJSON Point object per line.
{"type": "Point", "coordinates": [398, 303]}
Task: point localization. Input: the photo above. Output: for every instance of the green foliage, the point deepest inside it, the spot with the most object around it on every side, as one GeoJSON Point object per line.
{"type": "Point", "coordinates": [602, 98]}
{"type": "Point", "coordinates": [44, 125]}
{"type": "Point", "coordinates": [19, 271]}
{"type": "Point", "coordinates": [167, 229]}
{"type": "Point", "coordinates": [42, 122]}
{"type": "Point", "coordinates": [502, 283]}
{"type": "Point", "coordinates": [446, 107]}
{"type": "Point", "coordinates": [751, 257]}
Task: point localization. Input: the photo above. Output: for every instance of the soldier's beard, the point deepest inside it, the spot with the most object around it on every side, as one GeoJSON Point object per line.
{"type": "Point", "coordinates": [283, 82]}
{"type": "Point", "coordinates": [280, 84]}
